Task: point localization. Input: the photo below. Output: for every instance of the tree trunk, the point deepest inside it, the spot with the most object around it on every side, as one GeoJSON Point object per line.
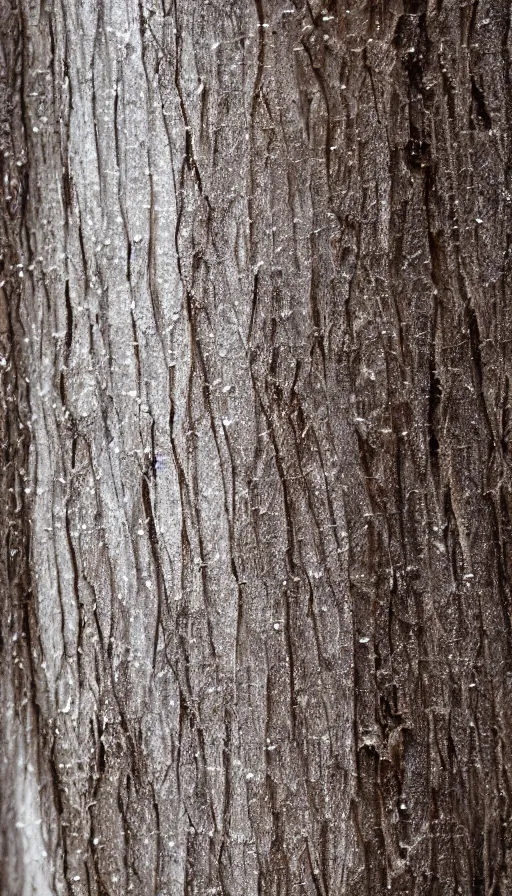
{"type": "Point", "coordinates": [255, 365]}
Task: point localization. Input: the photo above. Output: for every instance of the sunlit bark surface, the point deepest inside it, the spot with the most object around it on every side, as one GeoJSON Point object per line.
{"type": "Point", "coordinates": [255, 332]}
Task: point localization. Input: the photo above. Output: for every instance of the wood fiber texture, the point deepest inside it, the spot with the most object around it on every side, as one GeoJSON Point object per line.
{"type": "Point", "coordinates": [255, 360]}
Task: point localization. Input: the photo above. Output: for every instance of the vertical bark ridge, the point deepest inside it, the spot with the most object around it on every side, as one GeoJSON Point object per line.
{"type": "Point", "coordinates": [23, 732]}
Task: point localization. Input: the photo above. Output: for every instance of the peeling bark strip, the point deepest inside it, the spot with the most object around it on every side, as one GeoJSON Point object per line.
{"type": "Point", "coordinates": [255, 339]}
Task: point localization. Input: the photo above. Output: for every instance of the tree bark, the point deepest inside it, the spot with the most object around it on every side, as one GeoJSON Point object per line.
{"type": "Point", "coordinates": [255, 353]}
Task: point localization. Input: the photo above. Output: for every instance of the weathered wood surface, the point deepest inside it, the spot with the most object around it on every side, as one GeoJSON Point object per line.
{"type": "Point", "coordinates": [255, 335]}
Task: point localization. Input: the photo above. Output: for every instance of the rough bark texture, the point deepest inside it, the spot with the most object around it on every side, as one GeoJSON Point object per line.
{"type": "Point", "coordinates": [255, 335]}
